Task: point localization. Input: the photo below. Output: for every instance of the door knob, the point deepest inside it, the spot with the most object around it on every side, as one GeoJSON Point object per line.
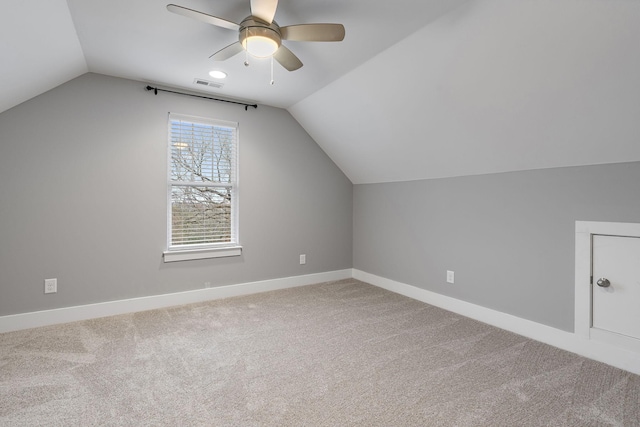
{"type": "Point", "coordinates": [603, 283]}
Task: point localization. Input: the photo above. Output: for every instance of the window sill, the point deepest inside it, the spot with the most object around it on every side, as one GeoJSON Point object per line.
{"type": "Point", "coordinates": [193, 254]}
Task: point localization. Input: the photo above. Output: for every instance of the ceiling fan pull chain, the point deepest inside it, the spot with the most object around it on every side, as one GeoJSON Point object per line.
{"type": "Point", "coordinates": [246, 50]}
{"type": "Point", "coordinates": [272, 81]}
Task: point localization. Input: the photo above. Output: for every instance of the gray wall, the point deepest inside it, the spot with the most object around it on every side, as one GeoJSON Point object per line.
{"type": "Point", "coordinates": [508, 237]}
{"type": "Point", "coordinates": [83, 197]}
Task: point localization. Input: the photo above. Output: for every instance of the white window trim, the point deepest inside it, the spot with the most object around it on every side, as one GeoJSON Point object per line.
{"type": "Point", "coordinates": [214, 250]}
{"type": "Point", "coordinates": [194, 254]}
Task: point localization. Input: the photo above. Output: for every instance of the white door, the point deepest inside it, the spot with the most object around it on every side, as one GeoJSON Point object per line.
{"type": "Point", "coordinates": [616, 284]}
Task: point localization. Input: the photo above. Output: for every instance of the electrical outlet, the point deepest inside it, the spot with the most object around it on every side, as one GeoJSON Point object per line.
{"type": "Point", "coordinates": [207, 284]}
{"type": "Point", "coordinates": [303, 259]}
{"type": "Point", "coordinates": [450, 276]}
{"type": "Point", "coordinates": [50, 286]}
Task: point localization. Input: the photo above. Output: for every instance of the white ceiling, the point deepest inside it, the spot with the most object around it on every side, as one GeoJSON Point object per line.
{"type": "Point", "coordinates": [39, 49]}
{"type": "Point", "coordinates": [141, 40]}
{"type": "Point", "coordinates": [494, 86]}
{"type": "Point", "coordinates": [418, 88]}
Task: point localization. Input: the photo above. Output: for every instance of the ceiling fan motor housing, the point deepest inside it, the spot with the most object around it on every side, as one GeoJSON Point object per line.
{"type": "Point", "coordinates": [259, 38]}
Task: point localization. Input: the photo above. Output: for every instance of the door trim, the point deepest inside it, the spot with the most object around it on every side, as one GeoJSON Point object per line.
{"type": "Point", "coordinates": [583, 302]}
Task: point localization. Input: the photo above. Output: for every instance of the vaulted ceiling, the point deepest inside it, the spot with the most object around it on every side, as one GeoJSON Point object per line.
{"type": "Point", "coordinates": [418, 89]}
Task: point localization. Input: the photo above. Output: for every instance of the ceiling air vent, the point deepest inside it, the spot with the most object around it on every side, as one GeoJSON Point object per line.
{"type": "Point", "coordinates": [207, 83]}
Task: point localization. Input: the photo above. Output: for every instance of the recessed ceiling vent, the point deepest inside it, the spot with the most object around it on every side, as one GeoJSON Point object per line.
{"type": "Point", "coordinates": [207, 83]}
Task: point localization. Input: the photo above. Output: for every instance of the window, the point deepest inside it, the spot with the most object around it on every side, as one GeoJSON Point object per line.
{"type": "Point", "coordinates": [203, 200]}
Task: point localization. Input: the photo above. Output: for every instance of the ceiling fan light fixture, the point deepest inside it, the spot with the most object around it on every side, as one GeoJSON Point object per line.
{"type": "Point", "coordinates": [260, 47]}
{"type": "Point", "coordinates": [260, 42]}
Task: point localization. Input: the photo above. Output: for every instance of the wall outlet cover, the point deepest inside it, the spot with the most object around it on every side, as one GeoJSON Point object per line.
{"type": "Point", "coordinates": [50, 286]}
{"type": "Point", "coordinates": [450, 276]}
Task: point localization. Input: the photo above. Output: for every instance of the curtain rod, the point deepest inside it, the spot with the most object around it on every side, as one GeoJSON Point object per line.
{"type": "Point", "coordinates": [246, 106]}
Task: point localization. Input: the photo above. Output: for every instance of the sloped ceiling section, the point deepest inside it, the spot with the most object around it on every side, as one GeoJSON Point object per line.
{"type": "Point", "coordinates": [141, 40]}
{"type": "Point", "coordinates": [493, 86]}
{"type": "Point", "coordinates": [41, 49]}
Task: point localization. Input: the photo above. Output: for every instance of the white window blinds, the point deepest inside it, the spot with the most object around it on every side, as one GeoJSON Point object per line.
{"type": "Point", "coordinates": [202, 182]}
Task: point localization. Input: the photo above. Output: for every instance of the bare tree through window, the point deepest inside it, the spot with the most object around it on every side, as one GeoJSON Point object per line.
{"type": "Point", "coordinates": [202, 182]}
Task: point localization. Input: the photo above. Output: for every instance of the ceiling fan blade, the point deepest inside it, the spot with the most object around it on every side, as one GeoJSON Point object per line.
{"type": "Point", "coordinates": [200, 16]}
{"type": "Point", "coordinates": [287, 59]}
{"type": "Point", "coordinates": [227, 52]}
{"type": "Point", "coordinates": [264, 9]}
{"type": "Point", "coordinates": [313, 32]}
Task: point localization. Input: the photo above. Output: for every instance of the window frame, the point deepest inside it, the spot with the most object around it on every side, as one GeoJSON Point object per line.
{"type": "Point", "coordinates": [203, 250]}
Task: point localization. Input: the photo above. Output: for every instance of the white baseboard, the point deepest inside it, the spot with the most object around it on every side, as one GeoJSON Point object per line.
{"type": "Point", "coordinates": [17, 322]}
{"type": "Point", "coordinates": [602, 352]}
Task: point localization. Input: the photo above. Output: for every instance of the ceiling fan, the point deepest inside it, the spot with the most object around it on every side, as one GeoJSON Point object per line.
{"type": "Point", "coordinates": [262, 37]}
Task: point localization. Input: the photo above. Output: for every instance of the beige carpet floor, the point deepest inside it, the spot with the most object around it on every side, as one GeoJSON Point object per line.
{"type": "Point", "coordinates": [333, 354]}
